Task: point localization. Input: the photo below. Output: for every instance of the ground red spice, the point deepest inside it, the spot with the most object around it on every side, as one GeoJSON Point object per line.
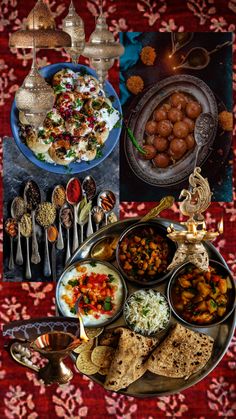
{"type": "Point", "coordinates": [73, 191]}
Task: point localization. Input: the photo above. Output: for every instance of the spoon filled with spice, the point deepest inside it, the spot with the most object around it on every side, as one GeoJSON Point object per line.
{"type": "Point", "coordinates": [26, 228]}
{"type": "Point", "coordinates": [18, 209]}
{"type": "Point", "coordinates": [11, 228]}
{"type": "Point", "coordinates": [32, 197]}
{"type": "Point", "coordinates": [89, 190]}
{"type": "Point", "coordinates": [52, 238]}
{"type": "Point", "coordinates": [45, 217]}
{"type": "Point", "coordinates": [83, 209]}
{"type": "Point", "coordinates": [67, 218]}
{"type": "Point", "coordinates": [73, 197]}
{"type": "Point", "coordinates": [107, 201]}
{"type": "Point", "coordinates": [98, 216]}
{"type": "Point", "coordinates": [59, 199]}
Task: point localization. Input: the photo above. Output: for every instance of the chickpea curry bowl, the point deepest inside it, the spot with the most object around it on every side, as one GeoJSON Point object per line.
{"type": "Point", "coordinates": [144, 252]}
{"type": "Point", "coordinates": [200, 298]}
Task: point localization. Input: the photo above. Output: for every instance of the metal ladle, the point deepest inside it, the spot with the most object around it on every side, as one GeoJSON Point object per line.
{"type": "Point", "coordinates": [17, 201]}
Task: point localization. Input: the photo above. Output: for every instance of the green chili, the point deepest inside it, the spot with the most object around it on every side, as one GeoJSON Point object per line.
{"type": "Point", "coordinates": [134, 140]}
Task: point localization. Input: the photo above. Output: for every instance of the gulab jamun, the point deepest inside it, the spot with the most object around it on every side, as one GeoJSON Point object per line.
{"type": "Point", "coordinates": [161, 160]}
{"type": "Point", "coordinates": [193, 109]}
{"type": "Point", "coordinates": [160, 143]}
{"type": "Point", "coordinates": [180, 129]}
{"type": "Point", "coordinates": [190, 141]}
{"type": "Point", "coordinates": [164, 128]}
{"type": "Point", "coordinates": [159, 114]}
{"type": "Point", "coordinates": [178, 100]}
{"type": "Point", "coordinates": [190, 123]}
{"type": "Point", "coordinates": [175, 115]}
{"type": "Point", "coordinates": [178, 148]}
{"type": "Point", "coordinates": [150, 152]}
{"type": "Point", "coordinates": [151, 127]}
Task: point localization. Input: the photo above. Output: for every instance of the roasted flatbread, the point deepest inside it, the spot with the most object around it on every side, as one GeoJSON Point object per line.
{"type": "Point", "coordinates": [181, 354]}
{"type": "Point", "coordinates": [128, 363]}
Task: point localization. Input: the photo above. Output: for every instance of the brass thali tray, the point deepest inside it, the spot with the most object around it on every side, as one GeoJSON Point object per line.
{"type": "Point", "coordinates": [150, 385]}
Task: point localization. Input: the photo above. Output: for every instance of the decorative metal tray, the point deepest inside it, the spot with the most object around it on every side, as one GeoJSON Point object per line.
{"type": "Point", "coordinates": [140, 114]}
{"type": "Point", "coordinates": [150, 385]}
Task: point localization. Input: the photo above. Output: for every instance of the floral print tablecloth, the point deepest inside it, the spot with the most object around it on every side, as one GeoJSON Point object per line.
{"type": "Point", "coordinates": [21, 394]}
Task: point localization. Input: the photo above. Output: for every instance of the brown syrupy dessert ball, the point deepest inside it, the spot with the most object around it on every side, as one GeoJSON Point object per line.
{"type": "Point", "coordinates": [160, 114]}
{"type": "Point", "coordinates": [180, 129]}
{"type": "Point", "coordinates": [166, 106]}
{"type": "Point", "coordinates": [150, 152]}
{"type": "Point", "coordinates": [160, 143]}
{"type": "Point", "coordinates": [178, 100]}
{"type": "Point", "coordinates": [164, 128]}
{"type": "Point", "coordinates": [151, 127]}
{"type": "Point", "coordinates": [190, 123]}
{"type": "Point", "coordinates": [175, 115]}
{"type": "Point", "coordinates": [162, 160]}
{"type": "Point", "coordinates": [190, 141]}
{"type": "Point", "coordinates": [193, 109]}
{"type": "Point", "coordinates": [178, 148]}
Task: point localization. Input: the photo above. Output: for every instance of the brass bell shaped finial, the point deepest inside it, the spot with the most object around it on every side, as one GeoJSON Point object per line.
{"type": "Point", "coordinates": [74, 26]}
{"type": "Point", "coordinates": [102, 49]}
{"type": "Point", "coordinates": [35, 98]}
{"type": "Point", "coordinates": [40, 26]}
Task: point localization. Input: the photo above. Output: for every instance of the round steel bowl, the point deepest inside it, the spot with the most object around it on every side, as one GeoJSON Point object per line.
{"type": "Point", "coordinates": [231, 306]}
{"type": "Point", "coordinates": [141, 113]}
{"type": "Point", "coordinates": [84, 262]}
{"type": "Point", "coordinates": [161, 230]}
{"type": "Point", "coordinates": [159, 332]}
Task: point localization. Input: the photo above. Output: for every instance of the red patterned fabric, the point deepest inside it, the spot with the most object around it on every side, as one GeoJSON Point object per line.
{"type": "Point", "coordinates": [21, 394]}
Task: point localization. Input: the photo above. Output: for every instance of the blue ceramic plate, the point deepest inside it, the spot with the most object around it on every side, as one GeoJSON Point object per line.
{"type": "Point", "coordinates": [109, 145]}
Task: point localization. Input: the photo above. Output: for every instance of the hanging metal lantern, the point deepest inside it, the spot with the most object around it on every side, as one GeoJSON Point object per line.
{"type": "Point", "coordinates": [35, 98]}
{"type": "Point", "coordinates": [102, 49]}
{"type": "Point", "coordinates": [74, 26]}
{"type": "Point", "coordinates": [40, 26]}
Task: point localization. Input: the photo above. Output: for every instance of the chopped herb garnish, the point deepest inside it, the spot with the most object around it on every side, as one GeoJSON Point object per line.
{"type": "Point", "coordinates": [71, 153]}
{"type": "Point", "coordinates": [107, 304]}
{"type": "Point", "coordinates": [111, 278]}
{"type": "Point", "coordinates": [99, 153]}
{"type": "Point", "coordinates": [73, 310]}
{"type": "Point", "coordinates": [40, 156]}
{"type": "Point", "coordinates": [145, 311]}
{"type": "Point", "coordinates": [93, 264]}
{"type": "Point", "coordinates": [86, 300]}
{"type": "Point", "coordinates": [58, 89]}
{"type": "Point", "coordinates": [73, 282]}
{"type": "Point", "coordinates": [118, 124]}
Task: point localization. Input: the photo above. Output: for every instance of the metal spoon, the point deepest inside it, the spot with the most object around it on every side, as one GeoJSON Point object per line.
{"type": "Point", "coordinates": [46, 223]}
{"type": "Point", "coordinates": [18, 203]}
{"type": "Point", "coordinates": [35, 256]}
{"type": "Point", "coordinates": [107, 201]}
{"type": "Point", "coordinates": [98, 215]}
{"type": "Point", "coordinates": [53, 253]}
{"type": "Point", "coordinates": [80, 221]}
{"type": "Point", "coordinates": [67, 226]}
{"type": "Point", "coordinates": [83, 334]}
{"type": "Point", "coordinates": [90, 194]}
{"type": "Point", "coordinates": [60, 241]}
{"type": "Point", "coordinates": [202, 132]}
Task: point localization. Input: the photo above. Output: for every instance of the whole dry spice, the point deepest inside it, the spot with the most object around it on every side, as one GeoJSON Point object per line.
{"type": "Point", "coordinates": [52, 234]}
{"type": "Point", "coordinates": [32, 195]}
{"type": "Point", "coordinates": [59, 196]}
{"type": "Point", "coordinates": [67, 217]}
{"type": "Point", "coordinates": [18, 208]}
{"type": "Point", "coordinates": [46, 214]}
{"type": "Point", "coordinates": [89, 187]}
{"type": "Point", "coordinates": [73, 191]}
{"type": "Point", "coordinates": [11, 227]}
{"type": "Point", "coordinates": [26, 225]}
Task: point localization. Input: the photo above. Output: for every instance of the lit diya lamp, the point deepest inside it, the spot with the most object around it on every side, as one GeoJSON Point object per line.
{"type": "Point", "coordinates": [190, 240]}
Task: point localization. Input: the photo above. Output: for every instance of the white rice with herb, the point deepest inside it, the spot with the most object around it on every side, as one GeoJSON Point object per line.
{"type": "Point", "coordinates": [147, 312]}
